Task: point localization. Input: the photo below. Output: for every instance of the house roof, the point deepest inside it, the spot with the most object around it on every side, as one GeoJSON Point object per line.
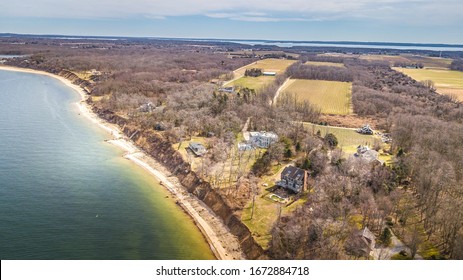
{"type": "Point", "coordinates": [367, 234]}
{"type": "Point", "coordinates": [293, 172]}
{"type": "Point", "coordinates": [263, 134]}
{"type": "Point", "coordinates": [196, 146]}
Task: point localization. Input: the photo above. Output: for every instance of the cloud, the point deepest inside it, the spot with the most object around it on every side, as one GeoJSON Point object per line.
{"type": "Point", "coordinates": [400, 11]}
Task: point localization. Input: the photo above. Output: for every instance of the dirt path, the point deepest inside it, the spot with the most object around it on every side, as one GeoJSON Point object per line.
{"type": "Point", "coordinates": [396, 247]}
{"type": "Point", "coordinates": [286, 84]}
{"type": "Point", "coordinates": [238, 73]}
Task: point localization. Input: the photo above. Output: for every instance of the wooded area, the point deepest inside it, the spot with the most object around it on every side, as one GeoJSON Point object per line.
{"type": "Point", "coordinates": [419, 197]}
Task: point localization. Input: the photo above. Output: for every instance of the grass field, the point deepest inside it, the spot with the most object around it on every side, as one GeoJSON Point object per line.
{"type": "Point", "coordinates": [332, 97]}
{"type": "Point", "coordinates": [446, 81]}
{"type": "Point", "coordinates": [321, 63]}
{"type": "Point", "coordinates": [255, 83]}
{"type": "Point", "coordinates": [270, 65]}
{"type": "Point", "coordinates": [428, 62]}
{"type": "Point", "coordinates": [347, 137]}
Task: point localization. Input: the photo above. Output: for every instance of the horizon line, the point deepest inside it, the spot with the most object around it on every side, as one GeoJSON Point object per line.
{"type": "Point", "coordinates": [340, 42]}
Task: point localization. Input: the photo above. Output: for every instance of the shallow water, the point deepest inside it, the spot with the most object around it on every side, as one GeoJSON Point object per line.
{"type": "Point", "coordinates": [67, 194]}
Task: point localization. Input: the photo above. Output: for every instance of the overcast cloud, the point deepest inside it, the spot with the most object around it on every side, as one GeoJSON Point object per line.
{"type": "Point", "coordinates": [419, 12]}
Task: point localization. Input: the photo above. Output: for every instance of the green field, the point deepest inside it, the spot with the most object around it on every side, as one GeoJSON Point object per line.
{"type": "Point", "coordinates": [446, 81]}
{"type": "Point", "coordinates": [320, 63]}
{"type": "Point", "coordinates": [331, 97]}
{"type": "Point", "coordinates": [270, 65]}
{"type": "Point", "coordinates": [255, 83]}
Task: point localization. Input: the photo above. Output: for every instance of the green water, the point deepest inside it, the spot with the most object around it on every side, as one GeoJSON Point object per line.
{"type": "Point", "coordinates": [67, 194]}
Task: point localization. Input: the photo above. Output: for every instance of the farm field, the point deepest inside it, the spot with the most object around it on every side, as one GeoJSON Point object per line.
{"type": "Point", "coordinates": [428, 62]}
{"type": "Point", "coordinates": [321, 63]}
{"type": "Point", "coordinates": [255, 83]}
{"type": "Point", "coordinates": [387, 58]}
{"type": "Point", "coordinates": [446, 81]}
{"type": "Point", "coordinates": [270, 64]}
{"type": "Point", "coordinates": [330, 96]}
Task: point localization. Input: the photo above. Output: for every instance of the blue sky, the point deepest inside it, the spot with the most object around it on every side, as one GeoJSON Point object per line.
{"type": "Point", "coordinates": [421, 21]}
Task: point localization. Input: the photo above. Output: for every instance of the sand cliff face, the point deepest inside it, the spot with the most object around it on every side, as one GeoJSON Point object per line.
{"type": "Point", "coordinates": [86, 85]}
{"type": "Point", "coordinates": [161, 150]}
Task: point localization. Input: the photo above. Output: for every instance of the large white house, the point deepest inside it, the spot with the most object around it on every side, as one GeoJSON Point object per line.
{"type": "Point", "coordinates": [262, 139]}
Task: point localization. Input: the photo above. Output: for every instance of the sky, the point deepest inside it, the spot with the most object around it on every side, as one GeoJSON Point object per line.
{"type": "Point", "coordinates": [413, 21]}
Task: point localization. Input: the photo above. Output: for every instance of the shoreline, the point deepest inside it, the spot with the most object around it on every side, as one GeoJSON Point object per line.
{"type": "Point", "coordinates": [214, 231]}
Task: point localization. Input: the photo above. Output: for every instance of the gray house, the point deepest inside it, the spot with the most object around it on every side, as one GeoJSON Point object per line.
{"type": "Point", "coordinates": [262, 139]}
{"type": "Point", "coordinates": [197, 148]}
{"type": "Point", "coordinates": [366, 129]}
{"type": "Point", "coordinates": [227, 89]}
{"type": "Point", "coordinates": [293, 178]}
{"type": "Point", "coordinates": [365, 153]}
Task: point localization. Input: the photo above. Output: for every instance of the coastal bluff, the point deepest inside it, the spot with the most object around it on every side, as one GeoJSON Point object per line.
{"type": "Point", "coordinates": [153, 144]}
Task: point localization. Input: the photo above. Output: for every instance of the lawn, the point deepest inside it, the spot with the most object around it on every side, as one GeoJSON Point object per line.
{"type": "Point", "coordinates": [188, 156]}
{"type": "Point", "coordinates": [330, 96]}
{"type": "Point", "coordinates": [446, 81]}
{"type": "Point", "coordinates": [347, 137]}
{"type": "Point", "coordinates": [320, 63]}
{"type": "Point", "coordinates": [266, 210]}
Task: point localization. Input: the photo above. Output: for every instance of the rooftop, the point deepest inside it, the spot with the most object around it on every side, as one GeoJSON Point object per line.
{"type": "Point", "coordinates": [293, 172]}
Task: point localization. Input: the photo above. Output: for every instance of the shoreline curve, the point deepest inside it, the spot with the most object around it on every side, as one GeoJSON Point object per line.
{"type": "Point", "coordinates": [208, 223]}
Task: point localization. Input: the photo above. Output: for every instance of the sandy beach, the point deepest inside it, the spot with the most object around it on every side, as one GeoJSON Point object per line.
{"type": "Point", "coordinates": [223, 244]}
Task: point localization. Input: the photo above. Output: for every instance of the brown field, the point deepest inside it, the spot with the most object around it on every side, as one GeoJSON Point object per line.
{"type": "Point", "coordinates": [320, 63]}
{"type": "Point", "coordinates": [387, 58]}
{"type": "Point", "coordinates": [430, 62]}
{"type": "Point", "coordinates": [446, 81]}
{"type": "Point", "coordinates": [331, 97]}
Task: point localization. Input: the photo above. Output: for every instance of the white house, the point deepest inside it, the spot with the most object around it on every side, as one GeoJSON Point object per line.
{"type": "Point", "coordinates": [245, 147]}
{"type": "Point", "coordinates": [262, 139]}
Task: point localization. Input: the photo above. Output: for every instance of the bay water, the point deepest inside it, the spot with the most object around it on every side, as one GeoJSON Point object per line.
{"type": "Point", "coordinates": [67, 194]}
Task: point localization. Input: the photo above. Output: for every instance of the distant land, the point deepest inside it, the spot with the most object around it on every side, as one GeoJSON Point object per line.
{"type": "Point", "coordinates": [279, 43]}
